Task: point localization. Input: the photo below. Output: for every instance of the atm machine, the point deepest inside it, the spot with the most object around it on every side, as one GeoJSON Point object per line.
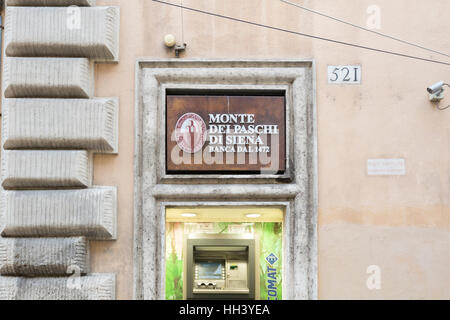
{"type": "Point", "coordinates": [220, 267]}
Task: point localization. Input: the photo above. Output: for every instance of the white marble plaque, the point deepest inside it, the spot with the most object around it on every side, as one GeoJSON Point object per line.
{"type": "Point", "coordinates": [386, 167]}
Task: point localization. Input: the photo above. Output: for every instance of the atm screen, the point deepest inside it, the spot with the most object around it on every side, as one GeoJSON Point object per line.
{"type": "Point", "coordinates": [209, 270]}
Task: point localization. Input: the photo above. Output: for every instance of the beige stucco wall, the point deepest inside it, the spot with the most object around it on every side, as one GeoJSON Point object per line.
{"type": "Point", "coordinates": [401, 224]}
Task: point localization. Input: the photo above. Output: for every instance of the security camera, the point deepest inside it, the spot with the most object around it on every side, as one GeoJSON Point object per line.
{"type": "Point", "coordinates": [436, 92]}
{"type": "Point", "coordinates": [436, 88]}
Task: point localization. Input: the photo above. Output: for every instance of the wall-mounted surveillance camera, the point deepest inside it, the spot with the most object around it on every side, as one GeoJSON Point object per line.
{"type": "Point", "coordinates": [436, 88]}
{"type": "Point", "coordinates": [436, 92]}
{"type": "Point", "coordinates": [170, 42]}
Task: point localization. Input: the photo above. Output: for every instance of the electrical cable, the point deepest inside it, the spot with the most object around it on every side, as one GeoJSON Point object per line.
{"type": "Point", "coordinates": [445, 84]}
{"type": "Point", "coordinates": [182, 22]}
{"type": "Point", "coordinates": [365, 29]}
{"type": "Point", "coordinates": [303, 34]}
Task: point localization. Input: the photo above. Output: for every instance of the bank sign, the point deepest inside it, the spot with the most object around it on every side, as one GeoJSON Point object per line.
{"type": "Point", "coordinates": [225, 134]}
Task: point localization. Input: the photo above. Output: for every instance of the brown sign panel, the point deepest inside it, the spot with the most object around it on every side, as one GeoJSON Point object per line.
{"type": "Point", "coordinates": [225, 134]}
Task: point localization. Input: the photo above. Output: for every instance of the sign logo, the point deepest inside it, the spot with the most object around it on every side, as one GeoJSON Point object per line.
{"type": "Point", "coordinates": [190, 132]}
{"type": "Point", "coordinates": [272, 283]}
{"type": "Point", "coordinates": [271, 259]}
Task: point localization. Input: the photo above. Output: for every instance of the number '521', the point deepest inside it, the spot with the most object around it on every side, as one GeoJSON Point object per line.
{"type": "Point", "coordinates": [344, 74]}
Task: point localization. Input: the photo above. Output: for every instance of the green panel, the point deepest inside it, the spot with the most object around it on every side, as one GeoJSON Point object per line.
{"type": "Point", "coordinates": [271, 242]}
{"type": "Point", "coordinates": [174, 262]}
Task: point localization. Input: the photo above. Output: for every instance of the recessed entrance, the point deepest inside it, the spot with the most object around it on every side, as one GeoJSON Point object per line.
{"type": "Point", "coordinates": [163, 195]}
{"type": "Point", "coordinates": [224, 253]}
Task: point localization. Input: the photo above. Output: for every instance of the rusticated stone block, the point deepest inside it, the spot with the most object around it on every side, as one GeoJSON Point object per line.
{"type": "Point", "coordinates": [90, 124]}
{"type": "Point", "coordinates": [46, 169]}
{"type": "Point", "coordinates": [60, 213]}
{"type": "Point", "coordinates": [48, 78]}
{"type": "Point", "coordinates": [43, 256]}
{"type": "Point", "coordinates": [63, 32]}
{"type": "Point", "coordinates": [91, 287]}
{"type": "Point", "coordinates": [50, 3]}
{"type": "Point", "coordinates": [8, 288]}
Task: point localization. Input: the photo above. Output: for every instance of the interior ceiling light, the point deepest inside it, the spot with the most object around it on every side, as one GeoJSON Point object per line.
{"type": "Point", "coordinates": [253, 215]}
{"type": "Point", "coordinates": [188, 215]}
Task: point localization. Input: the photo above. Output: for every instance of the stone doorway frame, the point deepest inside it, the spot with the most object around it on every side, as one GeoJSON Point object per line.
{"type": "Point", "coordinates": [154, 190]}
